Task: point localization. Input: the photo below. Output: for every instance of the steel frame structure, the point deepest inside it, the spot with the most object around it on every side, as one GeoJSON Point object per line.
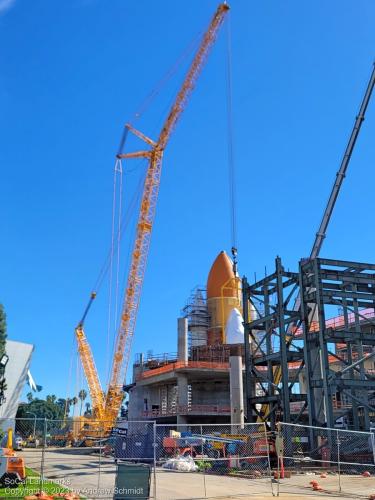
{"type": "Point", "coordinates": [274, 355]}
{"type": "Point", "coordinates": [324, 361]}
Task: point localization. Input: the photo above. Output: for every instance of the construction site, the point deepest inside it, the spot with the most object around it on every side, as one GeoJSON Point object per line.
{"type": "Point", "coordinates": [268, 388]}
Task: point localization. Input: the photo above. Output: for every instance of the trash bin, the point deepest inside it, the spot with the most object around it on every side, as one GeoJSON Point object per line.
{"type": "Point", "coordinates": [132, 481]}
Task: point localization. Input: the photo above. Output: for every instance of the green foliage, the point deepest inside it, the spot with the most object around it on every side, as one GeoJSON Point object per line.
{"type": "Point", "coordinates": [203, 465]}
{"type": "Point", "coordinates": [51, 398]}
{"type": "Point", "coordinates": [82, 396]}
{"type": "Point", "coordinates": [63, 404]}
{"type": "Point", "coordinates": [88, 411]}
{"type": "Point", "coordinates": [3, 329]}
{"type": "Point", "coordinates": [42, 409]}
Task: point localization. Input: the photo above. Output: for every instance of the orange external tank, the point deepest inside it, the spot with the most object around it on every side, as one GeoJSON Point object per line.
{"type": "Point", "coordinates": [223, 295]}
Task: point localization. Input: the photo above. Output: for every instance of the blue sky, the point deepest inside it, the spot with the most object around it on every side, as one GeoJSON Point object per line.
{"type": "Point", "coordinates": [73, 72]}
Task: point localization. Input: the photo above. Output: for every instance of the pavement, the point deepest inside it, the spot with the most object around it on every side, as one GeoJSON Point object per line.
{"type": "Point", "coordinates": [93, 477]}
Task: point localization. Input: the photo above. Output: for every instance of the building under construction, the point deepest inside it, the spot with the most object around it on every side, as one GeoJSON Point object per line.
{"type": "Point", "coordinates": [194, 383]}
{"type": "Point", "coordinates": [296, 346]}
{"type": "Point", "coordinates": [325, 373]}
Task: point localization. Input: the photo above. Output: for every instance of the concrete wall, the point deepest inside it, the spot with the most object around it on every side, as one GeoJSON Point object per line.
{"type": "Point", "coordinates": [209, 392]}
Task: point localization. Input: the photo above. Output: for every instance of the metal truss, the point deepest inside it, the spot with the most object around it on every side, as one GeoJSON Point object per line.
{"type": "Point", "coordinates": [304, 363]}
{"type": "Point", "coordinates": [340, 381]}
{"type": "Point", "coordinates": [274, 354]}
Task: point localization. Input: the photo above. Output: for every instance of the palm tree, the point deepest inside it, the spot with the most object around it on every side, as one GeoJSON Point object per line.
{"type": "Point", "coordinates": [74, 401]}
{"type": "Point", "coordinates": [29, 396]}
{"type": "Point", "coordinates": [82, 396]}
{"type": "Point", "coordinates": [88, 409]}
{"type": "Point", "coordinates": [61, 402]}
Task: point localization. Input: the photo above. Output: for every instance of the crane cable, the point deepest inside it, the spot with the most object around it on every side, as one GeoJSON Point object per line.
{"type": "Point", "coordinates": [231, 163]}
{"type": "Point", "coordinates": [119, 236]}
{"type": "Point", "coordinates": [70, 376]}
{"type": "Point", "coordinates": [114, 243]}
{"type": "Point", "coordinates": [167, 76]}
{"type": "Point", "coordinates": [141, 109]}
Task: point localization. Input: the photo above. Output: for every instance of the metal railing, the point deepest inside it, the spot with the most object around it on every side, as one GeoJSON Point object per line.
{"type": "Point", "coordinates": [188, 409]}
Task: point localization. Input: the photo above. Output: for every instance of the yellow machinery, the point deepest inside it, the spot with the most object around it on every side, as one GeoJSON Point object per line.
{"type": "Point", "coordinates": [106, 406]}
{"type": "Point", "coordinates": [12, 467]}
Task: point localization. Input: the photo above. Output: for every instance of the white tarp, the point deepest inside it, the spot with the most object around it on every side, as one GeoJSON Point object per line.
{"type": "Point", "coordinates": [234, 330]}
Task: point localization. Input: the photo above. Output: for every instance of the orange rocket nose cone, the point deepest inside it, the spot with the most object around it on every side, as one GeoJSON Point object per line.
{"type": "Point", "coordinates": [220, 273]}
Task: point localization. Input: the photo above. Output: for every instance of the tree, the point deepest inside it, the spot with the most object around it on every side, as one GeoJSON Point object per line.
{"type": "Point", "coordinates": [74, 401]}
{"type": "Point", "coordinates": [51, 398]}
{"type": "Point", "coordinates": [29, 396]}
{"type": "Point", "coordinates": [88, 411]}
{"type": "Point", "coordinates": [82, 396]}
{"type": "Point", "coordinates": [3, 330]}
{"type": "Point", "coordinates": [63, 404]}
{"type": "Point", "coordinates": [42, 409]}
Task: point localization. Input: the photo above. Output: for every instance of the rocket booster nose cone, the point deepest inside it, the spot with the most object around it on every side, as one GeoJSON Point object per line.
{"type": "Point", "coordinates": [220, 273]}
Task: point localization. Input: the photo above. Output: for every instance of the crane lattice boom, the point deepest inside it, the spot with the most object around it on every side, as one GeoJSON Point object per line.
{"type": "Point", "coordinates": [107, 408]}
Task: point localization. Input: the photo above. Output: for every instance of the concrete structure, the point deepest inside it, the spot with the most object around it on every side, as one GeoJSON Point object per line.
{"type": "Point", "coordinates": [194, 385]}
{"type": "Point", "coordinates": [236, 388]}
{"type": "Point", "coordinates": [16, 373]}
{"type": "Point", "coordinates": [204, 381]}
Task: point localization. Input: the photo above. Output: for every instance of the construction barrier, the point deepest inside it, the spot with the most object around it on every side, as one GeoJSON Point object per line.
{"type": "Point", "coordinates": [326, 460]}
{"type": "Point", "coordinates": [188, 461]}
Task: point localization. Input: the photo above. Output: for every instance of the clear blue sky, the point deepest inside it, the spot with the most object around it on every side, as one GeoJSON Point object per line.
{"type": "Point", "coordinates": [73, 72]}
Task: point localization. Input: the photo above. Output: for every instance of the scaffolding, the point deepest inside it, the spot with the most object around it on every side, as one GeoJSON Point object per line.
{"type": "Point", "coordinates": [198, 318]}
{"type": "Point", "coordinates": [326, 364]}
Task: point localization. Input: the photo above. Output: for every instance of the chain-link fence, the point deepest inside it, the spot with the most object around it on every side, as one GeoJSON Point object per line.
{"type": "Point", "coordinates": [221, 460]}
{"type": "Point", "coordinates": [74, 456]}
{"type": "Point", "coordinates": [184, 461]}
{"type": "Point", "coordinates": [326, 460]}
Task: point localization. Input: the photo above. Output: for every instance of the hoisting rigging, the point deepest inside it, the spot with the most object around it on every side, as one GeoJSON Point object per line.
{"type": "Point", "coordinates": [106, 406]}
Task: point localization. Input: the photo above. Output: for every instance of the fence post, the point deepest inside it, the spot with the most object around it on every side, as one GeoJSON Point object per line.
{"type": "Point", "coordinates": [338, 459]}
{"type": "Point", "coordinates": [268, 456]}
{"type": "Point", "coordinates": [154, 451]}
{"type": "Point", "coordinates": [277, 441]}
{"type": "Point", "coordinates": [41, 481]}
{"type": "Point", "coordinates": [100, 442]}
{"type": "Point", "coordinates": [204, 466]}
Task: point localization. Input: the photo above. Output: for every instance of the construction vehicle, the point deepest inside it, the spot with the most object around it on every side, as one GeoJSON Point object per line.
{"type": "Point", "coordinates": [106, 406]}
{"type": "Point", "coordinates": [12, 467]}
{"type": "Point", "coordinates": [242, 449]}
{"type": "Point", "coordinates": [19, 443]}
{"type": "Point", "coordinates": [63, 437]}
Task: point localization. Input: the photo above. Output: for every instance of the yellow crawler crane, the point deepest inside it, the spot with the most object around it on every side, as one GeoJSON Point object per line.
{"type": "Point", "coordinates": [106, 406]}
